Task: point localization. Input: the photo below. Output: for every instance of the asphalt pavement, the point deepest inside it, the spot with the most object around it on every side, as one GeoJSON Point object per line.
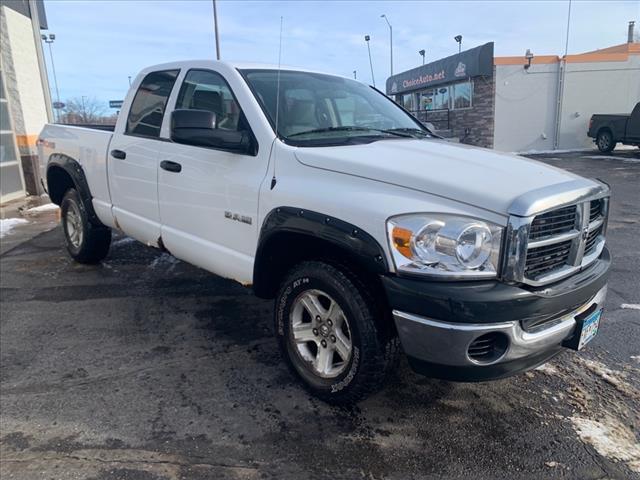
{"type": "Point", "coordinates": [147, 368]}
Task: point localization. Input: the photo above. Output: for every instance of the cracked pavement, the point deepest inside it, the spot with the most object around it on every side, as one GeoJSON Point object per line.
{"type": "Point", "coordinates": [146, 368]}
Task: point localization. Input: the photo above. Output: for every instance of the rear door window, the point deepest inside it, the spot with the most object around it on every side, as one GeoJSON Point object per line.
{"type": "Point", "coordinates": [147, 108]}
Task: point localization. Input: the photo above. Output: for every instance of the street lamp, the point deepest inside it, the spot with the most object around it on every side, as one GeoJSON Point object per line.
{"type": "Point", "coordinates": [390, 39]}
{"type": "Point", "coordinates": [355, 75]}
{"type": "Point", "coordinates": [49, 40]}
{"type": "Point", "coordinates": [366, 39]}
{"type": "Point", "coordinates": [458, 38]}
{"type": "Point", "coordinates": [422, 54]}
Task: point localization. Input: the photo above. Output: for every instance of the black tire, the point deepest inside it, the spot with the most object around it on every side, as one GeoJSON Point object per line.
{"type": "Point", "coordinates": [605, 142]}
{"type": "Point", "coordinates": [374, 353]}
{"type": "Point", "coordinates": [85, 241]}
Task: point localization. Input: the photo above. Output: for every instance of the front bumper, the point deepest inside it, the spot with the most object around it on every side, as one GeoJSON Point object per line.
{"type": "Point", "coordinates": [439, 322]}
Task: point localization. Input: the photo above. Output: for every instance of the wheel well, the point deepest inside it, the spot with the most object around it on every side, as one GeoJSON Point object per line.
{"type": "Point", "coordinates": [58, 181]}
{"type": "Point", "coordinates": [604, 129]}
{"type": "Point", "coordinates": [283, 250]}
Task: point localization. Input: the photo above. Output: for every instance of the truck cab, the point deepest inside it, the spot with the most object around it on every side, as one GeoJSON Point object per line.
{"type": "Point", "coordinates": [373, 236]}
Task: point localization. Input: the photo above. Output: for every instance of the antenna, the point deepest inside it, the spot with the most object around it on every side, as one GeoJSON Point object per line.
{"type": "Point", "coordinates": [273, 180]}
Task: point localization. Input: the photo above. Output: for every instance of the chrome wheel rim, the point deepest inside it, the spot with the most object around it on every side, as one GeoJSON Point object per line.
{"type": "Point", "coordinates": [320, 333]}
{"type": "Point", "coordinates": [604, 141]}
{"type": "Point", "coordinates": [73, 224]}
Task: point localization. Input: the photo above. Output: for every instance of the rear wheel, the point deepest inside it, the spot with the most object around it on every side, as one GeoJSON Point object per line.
{"type": "Point", "coordinates": [85, 241]}
{"type": "Point", "coordinates": [605, 142]}
{"type": "Point", "coordinates": [329, 336]}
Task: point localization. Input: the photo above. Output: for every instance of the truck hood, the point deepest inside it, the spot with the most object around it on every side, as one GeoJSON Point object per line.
{"type": "Point", "coordinates": [477, 176]}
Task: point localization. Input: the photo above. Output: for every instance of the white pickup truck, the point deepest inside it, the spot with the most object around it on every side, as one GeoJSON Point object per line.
{"type": "Point", "coordinates": [372, 235]}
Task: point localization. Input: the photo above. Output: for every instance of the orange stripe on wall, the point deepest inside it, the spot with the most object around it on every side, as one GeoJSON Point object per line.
{"type": "Point", "coordinates": [540, 59]}
{"type": "Point", "coordinates": [26, 140]}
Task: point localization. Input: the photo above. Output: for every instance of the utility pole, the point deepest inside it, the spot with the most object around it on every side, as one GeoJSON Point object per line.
{"type": "Point", "coordinates": [390, 40]}
{"type": "Point", "coordinates": [84, 111]}
{"type": "Point", "coordinates": [215, 26]}
{"type": "Point", "coordinates": [44, 78]}
{"type": "Point", "coordinates": [366, 39]}
{"type": "Point", "coordinates": [49, 40]}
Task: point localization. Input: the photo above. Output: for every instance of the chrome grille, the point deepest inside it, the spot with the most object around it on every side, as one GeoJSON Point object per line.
{"type": "Point", "coordinates": [553, 223]}
{"type": "Point", "coordinates": [545, 247]}
{"type": "Point", "coordinates": [541, 260]}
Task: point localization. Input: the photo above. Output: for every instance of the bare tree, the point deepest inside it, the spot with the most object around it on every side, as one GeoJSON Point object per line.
{"type": "Point", "coordinates": [84, 110]}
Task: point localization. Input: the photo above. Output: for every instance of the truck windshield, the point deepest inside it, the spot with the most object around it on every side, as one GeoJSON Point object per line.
{"type": "Point", "coordinates": [317, 109]}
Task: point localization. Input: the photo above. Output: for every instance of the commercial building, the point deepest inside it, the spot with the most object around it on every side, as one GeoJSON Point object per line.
{"type": "Point", "coordinates": [522, 103]}
{"type": "Point", "coordinates": [25, 104]}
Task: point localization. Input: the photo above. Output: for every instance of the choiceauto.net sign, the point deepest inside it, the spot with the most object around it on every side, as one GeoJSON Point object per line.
{"type": "Point", "coordinates": [470, 63]}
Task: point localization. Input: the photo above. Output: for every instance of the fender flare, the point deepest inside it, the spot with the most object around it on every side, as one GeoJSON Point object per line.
{"type": "Point", "coordinates": [73, 168]}
{"type": "Point", "coordinates": [360, 245]}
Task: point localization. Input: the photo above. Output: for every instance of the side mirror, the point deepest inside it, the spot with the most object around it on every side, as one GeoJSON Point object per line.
{"type": "Point", "coordinates": [198, 127]}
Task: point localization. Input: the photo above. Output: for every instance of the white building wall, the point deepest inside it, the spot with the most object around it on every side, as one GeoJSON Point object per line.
{"type": "Point", "coordinates": [599, 87]}
{"type": "Point", "coordinates": [526, 102]}
{"type": "Point", "coordinates": [525, 107]}
{"type": "Point", "coordinates": [31, 95]}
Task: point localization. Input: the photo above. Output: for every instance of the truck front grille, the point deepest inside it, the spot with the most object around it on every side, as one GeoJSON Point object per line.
{"type": "Point", "coordinates": [559, 240]}
{"type": "Point", "coordinates": [542, 248]}
{"type": "Point", "coordinates": [553, 223]}
{"type": "Point", "coordinates": [541, 260]}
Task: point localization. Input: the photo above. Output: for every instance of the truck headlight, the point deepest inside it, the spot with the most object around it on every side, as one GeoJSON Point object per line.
{"type": "Point", "coordinates": [444, 245]}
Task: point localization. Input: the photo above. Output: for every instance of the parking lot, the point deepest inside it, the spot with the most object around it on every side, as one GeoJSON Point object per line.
{"type": "Point", "coordinates": [146, 368]}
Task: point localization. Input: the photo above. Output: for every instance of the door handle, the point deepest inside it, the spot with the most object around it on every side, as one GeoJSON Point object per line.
{"type": "Point", "coordinates": [170, 166]}
{"type": "Point", "coordinates": [119, 154]}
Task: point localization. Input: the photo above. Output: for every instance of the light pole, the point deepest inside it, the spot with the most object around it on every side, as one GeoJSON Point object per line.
{"type": "Point", "coordinates": [215, 25]}
{"type": "Point", "coordinates": [355, 75]}
{"type": "Point", "coordinates": [390, 39]}
{"type": "Point", "coordinates": [366, 39]}
{"type": "Point", "coordinates": [129, 80]}
{"type": "Point", "coordinates": [49, 40]}
{"type": "Point", "coordinates": [458, 38]}
{"type": "Point", "coordinates": [422, 54]}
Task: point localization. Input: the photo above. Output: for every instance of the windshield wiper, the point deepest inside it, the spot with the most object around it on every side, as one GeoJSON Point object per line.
{"type": "Point", "coordinates": [408, 131]}
{"type": "Point", "coordinates": [351, 128]}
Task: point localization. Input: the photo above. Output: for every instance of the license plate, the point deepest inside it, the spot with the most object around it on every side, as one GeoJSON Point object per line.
{"type": "Point", "coordinates": [589, 328]}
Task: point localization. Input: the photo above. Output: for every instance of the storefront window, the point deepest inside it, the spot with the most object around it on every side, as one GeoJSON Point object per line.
{"type": "Point", "coordinates": [441, 98]}
{"type": "Point", "coordinates": [462, 94]}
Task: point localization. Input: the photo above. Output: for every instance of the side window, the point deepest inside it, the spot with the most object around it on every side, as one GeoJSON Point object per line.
{"type": "Point", "coordinates": [147, 108]}
{"type": "Point", "coordinates": [206, 90]}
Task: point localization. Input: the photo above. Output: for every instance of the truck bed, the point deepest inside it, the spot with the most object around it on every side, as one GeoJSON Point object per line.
{"type": "Point", "coordinates": [86, 145]}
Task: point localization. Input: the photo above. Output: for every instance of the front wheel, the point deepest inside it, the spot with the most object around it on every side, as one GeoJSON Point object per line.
{"type": "Point", "coordinates": [85, 241]}
{"type": "Point", "coordinates": [605, 142]}
{"type": "Point", "coordinates": [328, 333]}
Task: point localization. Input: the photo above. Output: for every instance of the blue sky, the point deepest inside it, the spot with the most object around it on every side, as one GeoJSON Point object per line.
{"type": "Point", "coordinates": [100, 43]}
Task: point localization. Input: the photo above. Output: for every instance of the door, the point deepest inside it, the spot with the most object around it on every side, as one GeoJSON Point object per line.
{"type": "Point", "coordinates": [11, 179]}
{"type": "Point", "coordinates": [209, 207]}
{"type": "Point", "coordinates": [133, 159]}
{"type": "Point", "coordinates": [633, 125]}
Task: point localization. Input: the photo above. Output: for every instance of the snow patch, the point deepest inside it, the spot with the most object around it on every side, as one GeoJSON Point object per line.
{"type": "Point", "coordinates": [164, 260]}
{"type": "Point", "coordinates": [630, 306]}
{"type": "Point", "coordinates": [8, 224]}
{"type": "Point", "coordinates": [613, 377]}
{"type": "Point", "coordinates": [123, 241]}
{"type": "Point", "coordinates": [548, 369]}
{"type": "Point", "coordinates": [48, 207]}
{"type": "Point", "coordinates": [540, 152]}
{"type": "Point", "coordinates": [610, 438]}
